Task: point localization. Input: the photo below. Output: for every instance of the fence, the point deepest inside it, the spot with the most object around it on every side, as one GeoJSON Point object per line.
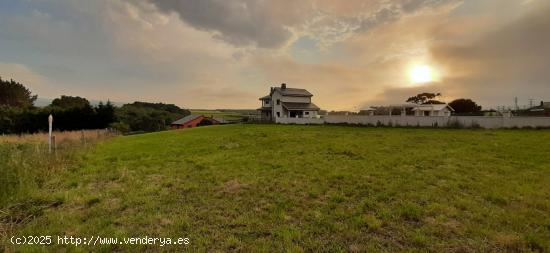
{"type": "Point", "coordinates": [452, 121]}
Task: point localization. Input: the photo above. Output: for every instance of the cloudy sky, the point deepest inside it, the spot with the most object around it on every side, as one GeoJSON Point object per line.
{"type": "Point", "coordinates": [227, 53]}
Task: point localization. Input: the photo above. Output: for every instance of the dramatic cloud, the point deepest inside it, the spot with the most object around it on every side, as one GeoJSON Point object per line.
{"type": "Point", "coordinates": [502, 64]}
{"type": "Point", "coordinates": [240, 22]}
{"type": "Point", "coordinates": [269, 24]}
{"type": "Point", "coordinates": [220, 54]}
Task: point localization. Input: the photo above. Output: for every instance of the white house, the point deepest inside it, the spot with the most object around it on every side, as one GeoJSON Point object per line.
{"type": "Point", "coordinates": [443, 110]}
{"type": "Point", "coordinates": [283, 102]}
{"type": "Point", "coordinates": [435, 110]}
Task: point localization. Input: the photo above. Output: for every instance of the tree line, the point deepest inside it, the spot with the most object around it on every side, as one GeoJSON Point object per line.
{"type": "Point", "coordinates": [19, 115]}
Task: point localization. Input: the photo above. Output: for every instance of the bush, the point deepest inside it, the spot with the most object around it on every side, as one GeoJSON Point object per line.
{"type": "Point", "coordinates": [121, 127]}
{"type": "Point", "coordinates": [32, 120]}
{"type": "Point", "coordinates": [140, 116]}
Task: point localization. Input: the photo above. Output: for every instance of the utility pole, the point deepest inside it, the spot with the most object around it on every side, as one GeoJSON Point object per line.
{"type": "Point", "coordinates": [516, 103]}
{"type": "Point", "coordinates": [531, 102]}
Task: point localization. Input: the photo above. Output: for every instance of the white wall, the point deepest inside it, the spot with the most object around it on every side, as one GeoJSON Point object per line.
{"type": "Point", "coordinates": [445, 112]}
{"type": "Point", "coordinates": [465, 121]}
{"type": "Point", "coordinates": [277, 108]}
{"type": "Point", "coordinates": [300, 121]}
{"type": "Point", "coordinates": [312, 114]}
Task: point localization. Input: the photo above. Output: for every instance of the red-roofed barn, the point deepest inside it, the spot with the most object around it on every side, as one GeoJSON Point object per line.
{"type": "Point", "coordinates": [193, 121]}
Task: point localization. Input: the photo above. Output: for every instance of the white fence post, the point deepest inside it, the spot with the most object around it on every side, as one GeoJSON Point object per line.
{"type": "Point", "coordinates": [50, 122]}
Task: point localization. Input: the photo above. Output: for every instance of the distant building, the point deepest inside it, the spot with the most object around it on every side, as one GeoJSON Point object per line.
{"type": "Point", "coordinates": [193, 121]}
{"type": "Point", "coordinates": [370, 111]}
{"type": "Point", "coordinates": [389, 110]}
{"type": "Point", "coordinates": [283, 102]}
{"type": "Point", "coordinates": [542, 110]}
{"type": "Point", "coordinates": [435, 110]}
{"type": "Point", "coordinates": [428, 110]}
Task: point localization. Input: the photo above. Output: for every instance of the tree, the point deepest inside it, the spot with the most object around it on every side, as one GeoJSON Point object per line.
{"type": "Point", "coordinates": [105, 114]}
{"type": "Point", "coordinates": [463, 105]}
{"type": "Point", "coordinates": [69, 102]}
{"type": "Point", "coordinates": [425, 98]}
{"type": "Point", "coordinates": [161, 106]}
{"type": "Point", "coordinates": [143, 116]}
{"type": "Point", "coordinates": [15, 94]}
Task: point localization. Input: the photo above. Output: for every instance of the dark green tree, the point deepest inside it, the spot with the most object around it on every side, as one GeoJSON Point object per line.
{"type": "Point", "coordinates": [463, 105]}
{"type": "Point", "coordinates": [425, 98]}
{"type": "Point", "coordinates": [70, 102]}
{"type": "Point", "coordinates": [143, 116]}
{"type": "Point", "coordinates": [105, 114]}
{"type": "Point", "coordinates": [15, 94]}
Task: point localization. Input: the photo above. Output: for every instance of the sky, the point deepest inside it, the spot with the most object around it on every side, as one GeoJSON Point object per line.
{"type": "Point", "coordinates": [226, 54]}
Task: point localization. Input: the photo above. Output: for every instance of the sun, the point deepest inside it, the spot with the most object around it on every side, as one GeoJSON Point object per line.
{"type": "Point", "coordinates": [421, 74]}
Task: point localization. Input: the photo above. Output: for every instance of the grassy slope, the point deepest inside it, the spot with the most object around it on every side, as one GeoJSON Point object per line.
{"type": "Point", "coordinates": [219, 114]}
{"type": "Point", "coordinates": [313, 188]}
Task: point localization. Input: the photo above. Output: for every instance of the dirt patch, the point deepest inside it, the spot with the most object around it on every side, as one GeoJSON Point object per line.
{"type": "Point", "coordinates": [233, 187]}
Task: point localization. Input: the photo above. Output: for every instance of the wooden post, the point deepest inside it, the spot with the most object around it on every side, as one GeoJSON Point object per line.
{"type": "Point", "coordinates": [50, 122]}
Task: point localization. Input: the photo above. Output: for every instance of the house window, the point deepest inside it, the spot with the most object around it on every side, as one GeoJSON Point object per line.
{"type": "Point", "coordinates": [306, 113]}
{"type": "Point", "coordinates": [266, 102]}
{"type": "Point", "coordinates": [278, 114]}
{"type": "Point", "coordinates": [278, 102]}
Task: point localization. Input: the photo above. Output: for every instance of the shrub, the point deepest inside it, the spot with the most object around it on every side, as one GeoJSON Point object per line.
{"type": "Point", "coordinates": [121, 127]}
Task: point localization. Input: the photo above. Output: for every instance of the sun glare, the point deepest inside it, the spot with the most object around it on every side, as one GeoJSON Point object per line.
{"type": "Point", "coordinates": [421, 74]}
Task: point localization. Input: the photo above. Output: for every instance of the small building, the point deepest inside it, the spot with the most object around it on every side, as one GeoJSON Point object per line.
{"type": "Point", "coordinates": [542, 110]}
{"type": "Point", "coordinates": [283, 102]}
{"type": "Point", "coordinates": [433, 110]}
{"type": "Point", "coordinates": [193, 121]}
{"type": "Point", "coordinates": [441, 110]}
{"type": "Point", "coordinates": [389, 110]}
{"type": "Point", "coordinates": [370, 111]}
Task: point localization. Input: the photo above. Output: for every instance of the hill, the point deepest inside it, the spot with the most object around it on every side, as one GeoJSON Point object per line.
{"type": "Point", "coordinates": [226, 114]}
{"type": "Point", "coordinates": [274, 188]}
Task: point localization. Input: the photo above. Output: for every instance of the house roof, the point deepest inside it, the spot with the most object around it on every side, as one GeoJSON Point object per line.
{"type": "Point", "coordinates": [264, 108]}
{"type": "Point", "coordinates": [186, 119]}
{"type": "Point", "coordinates": [265, 97]}
{"type": "Point", "coordinates": [368, 109]}
{"type": "Point", "coordinates": [292, 92]}
{"type": "Point", "coordinates": [407, 105]}
{"type": "Point", "coordinates": [433, 107]}
{"type": "Point", "coordinates": [300, 106]}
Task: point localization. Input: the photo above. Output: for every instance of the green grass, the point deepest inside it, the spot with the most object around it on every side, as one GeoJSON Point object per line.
{"type": "Point", "coordinates": [25, 167]}
{"type": "Point", "coordinates": [227, 115]}
{"type": "Point", "coordinates": [274, 188]}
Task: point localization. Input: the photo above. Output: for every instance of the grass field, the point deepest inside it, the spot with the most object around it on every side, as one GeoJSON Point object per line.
{"type": "Point", "coordinates": [25, 163]}
{"type": "Point", "coordinates": [226, 114]}
{"type": "Point", "coordinates": [274, 188]}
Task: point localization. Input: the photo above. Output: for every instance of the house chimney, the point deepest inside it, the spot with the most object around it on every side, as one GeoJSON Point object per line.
{"type": "Point", "coordinates": [283, 86]}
